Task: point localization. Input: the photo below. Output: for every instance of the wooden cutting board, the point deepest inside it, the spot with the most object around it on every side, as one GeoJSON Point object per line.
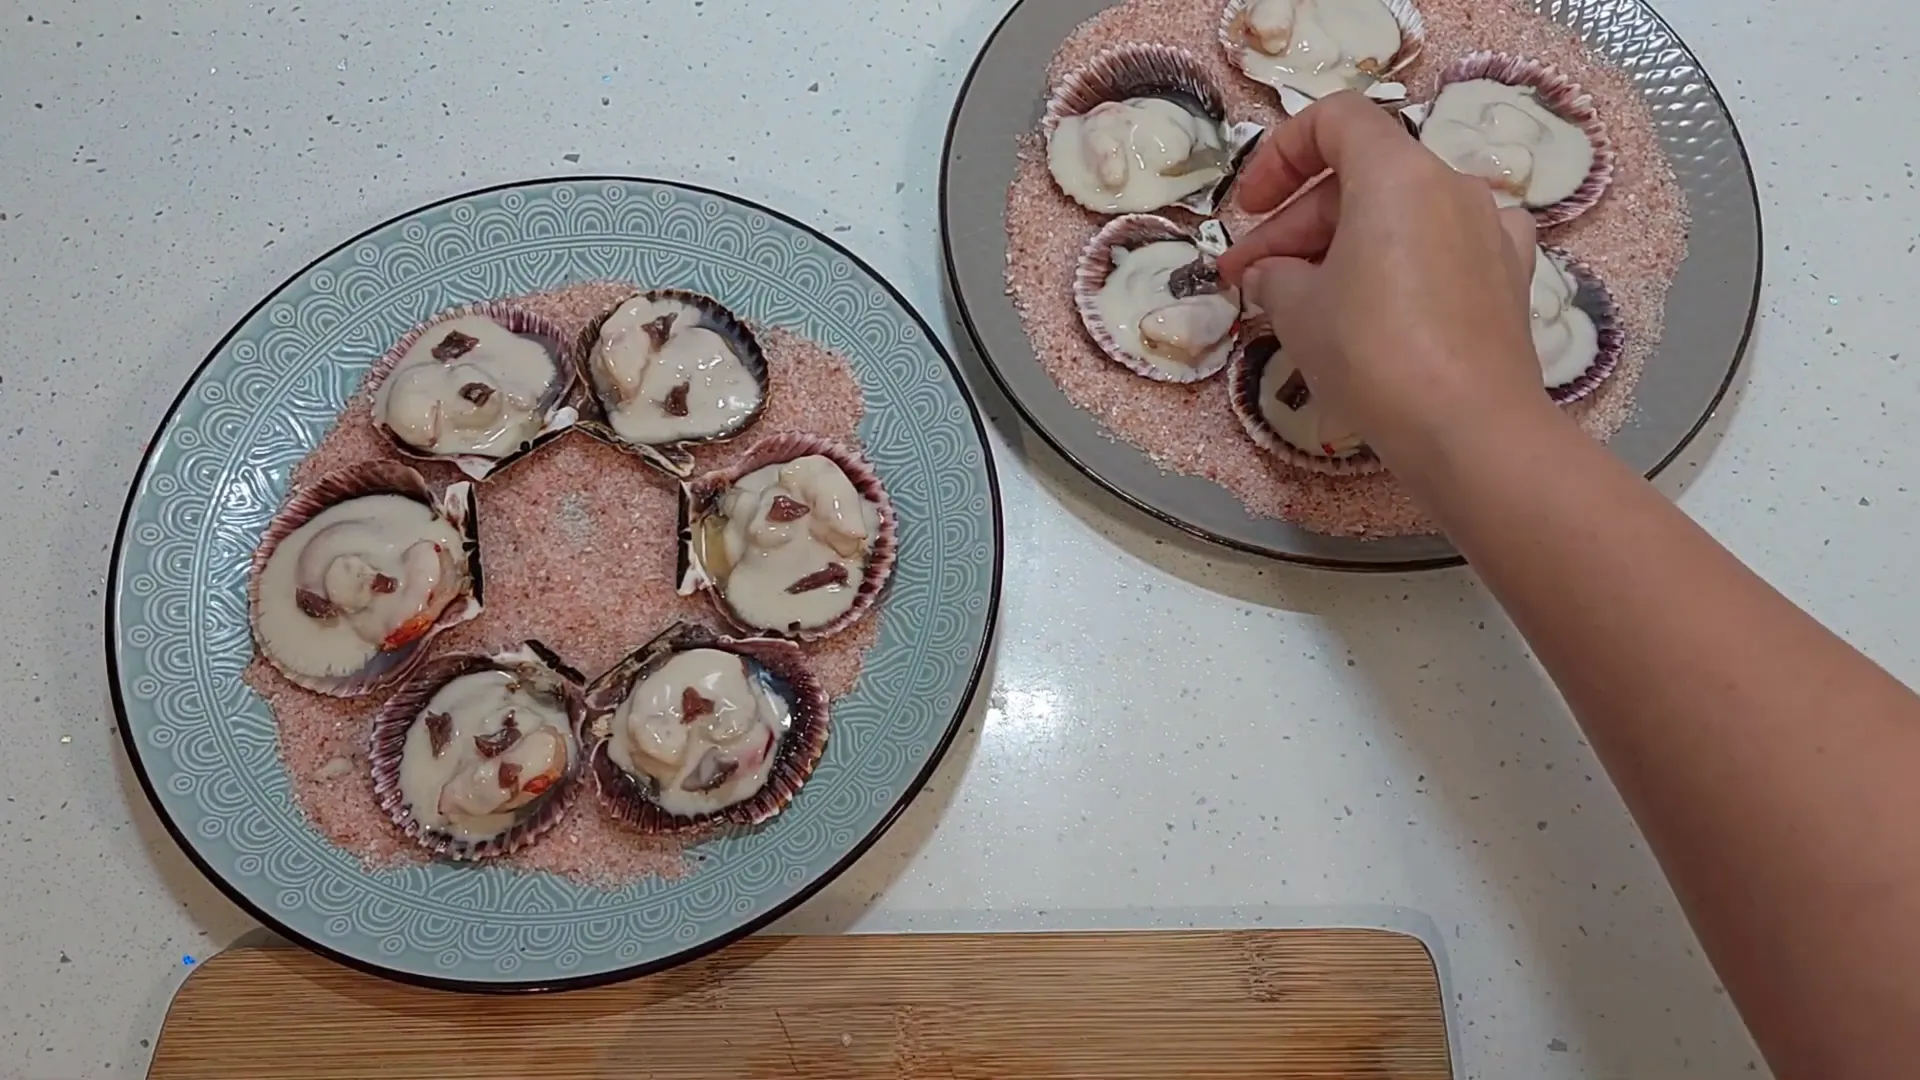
{"type": "Point", "coordinates": [1271, 1004]}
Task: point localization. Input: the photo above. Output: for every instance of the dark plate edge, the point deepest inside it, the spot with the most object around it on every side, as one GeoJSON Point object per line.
{"type": "Point", "coordinates": [682, 956]}
{"type": "Point", "coordinates": [1200, 532]}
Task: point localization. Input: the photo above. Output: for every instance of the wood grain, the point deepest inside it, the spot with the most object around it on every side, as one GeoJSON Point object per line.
{"type": "Point", "coordinates": [1272, 1004]}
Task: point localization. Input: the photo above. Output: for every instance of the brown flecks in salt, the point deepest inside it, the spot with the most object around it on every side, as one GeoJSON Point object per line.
{"type": "Point", "coordinates": [1635, 239]}
{"type": "Point", "coordinates": [578, 544]}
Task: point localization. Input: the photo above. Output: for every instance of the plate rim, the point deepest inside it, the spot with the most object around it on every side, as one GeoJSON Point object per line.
{"type": "Point", "coordinates": [1201, 532]}
{"type": "Point", "coordinates": [676, 957]}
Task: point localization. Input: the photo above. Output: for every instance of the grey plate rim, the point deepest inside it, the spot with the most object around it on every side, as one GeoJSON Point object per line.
{"type": "Point", "coordinates": [259, 914]}
{"type": "Point", "coordinates": [1445, 558]}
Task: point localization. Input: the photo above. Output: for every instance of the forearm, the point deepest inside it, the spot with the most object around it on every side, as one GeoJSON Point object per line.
{"type": "Point", "coordinates": [1775, 770]}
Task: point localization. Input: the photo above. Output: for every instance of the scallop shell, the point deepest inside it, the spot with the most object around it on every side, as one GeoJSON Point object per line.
{"type": "Point", "coordinates": [699, 496]}
{"type": "Point", "coordinates": [1592, 297]}
{"type": "Point", "coordinates": [676, 458]}
{"type": "Point", "coordinates": [630, 801]}
{"type": "Point", "coordinates": [1162, 71]}
{"type": "Point", "coordinates": [1243, 392]}
{"type": "Point", "coordinates": [1558, 95]}
{"type": "Point", "coordinates": [1413, 38]}
{"type": "Point", "coordinates": [558, 408]}
{"type": "Point", "coordinates": [455, 504]}
{"type": "Point", "coordinates": [396, 718]}
{"type": "Point", "coordinates": [1096, 264]}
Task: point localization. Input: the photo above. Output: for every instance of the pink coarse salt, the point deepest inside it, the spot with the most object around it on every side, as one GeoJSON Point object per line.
{"type": "Point", "coordinates": [1635, 239]}
{"type": "Point", "coordinates": [577, 544]}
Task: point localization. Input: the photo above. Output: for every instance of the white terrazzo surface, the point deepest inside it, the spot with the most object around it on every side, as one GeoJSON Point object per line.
{"type": "Point", "coordinates": [1172, 737]}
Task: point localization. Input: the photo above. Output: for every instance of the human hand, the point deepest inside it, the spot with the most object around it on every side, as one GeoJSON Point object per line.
{"type": "Point", "coordinates": [1395, 284]}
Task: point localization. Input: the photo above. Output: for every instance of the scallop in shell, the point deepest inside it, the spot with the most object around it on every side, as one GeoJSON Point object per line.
{"type": "Point", "coordinates": [1142, 128]}
{"type": "Point", "coordinates": [1576, 330]}
{"type": "Point", "coordinates": [672, 369]}
{"type": "Point", "coordinates": [358, 572]}
{"type": "Point", "coordinates": [1308, 49]}
{"type": "Point", "coordinates": [695, 730]}
{"type": "Point", "coordinates": [476, 757]}
{"type": "Point", "coordinates": [796, 540]}
{"type": "Point", "coordinates": [1530, 131]}
{"type": "Point", "coordinates": [1278, 411]}
{"type": "Point", "coordinates": [1150, 295]}
{"type": "Point", "coordinates": [480, 386]}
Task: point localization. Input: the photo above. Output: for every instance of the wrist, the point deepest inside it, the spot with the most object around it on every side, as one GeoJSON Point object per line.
{"type": "Point", "coordinates": [1453, 443]}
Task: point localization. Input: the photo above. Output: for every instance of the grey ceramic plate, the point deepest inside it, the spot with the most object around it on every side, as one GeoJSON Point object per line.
{"type": "Point", "coordinates": [1709, 310]}
{"type": "Point", "coordinates": [205, 746]}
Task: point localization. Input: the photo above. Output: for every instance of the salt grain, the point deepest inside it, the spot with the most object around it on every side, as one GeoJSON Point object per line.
{"type": "Point", "coordinates": [577, 544]}
{"type": "Point", "coordinates": [1635, 239]}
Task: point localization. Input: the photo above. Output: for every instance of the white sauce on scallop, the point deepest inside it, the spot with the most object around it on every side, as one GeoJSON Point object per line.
{"type": "Point", "coordinates": [768, 560]}
{"type": "Point", "coordinates": [484, 401]}
{"type": "Point", "coordinates": [1318, 47]}
{"type": "Point", "coordinates": [1504, 134]}
{"type": "Point", "coordinates": [460, 790]}
{"type": "Point", "coordinates": [1136, 155]}
{"type": "Point", "coordinates": [1140, 310]}
{"type": "Point", "coordinates": [385, 565]}
{"type": "Point", "coordinates": [640, 362]}
{"type": "Point", "coordinates": [728, 746]}
{"type": "Point", "coordinates": [1563, 335]}
{"type": "Point", "coordinates": [1311, 427]}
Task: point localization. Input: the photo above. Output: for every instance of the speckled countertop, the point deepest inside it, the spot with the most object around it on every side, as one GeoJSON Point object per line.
{"type": "Point", "coordinates": [1312, 748]}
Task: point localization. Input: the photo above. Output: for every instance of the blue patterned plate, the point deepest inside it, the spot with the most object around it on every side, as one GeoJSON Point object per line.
{"type": "Point", "coordinates": [203, 744]}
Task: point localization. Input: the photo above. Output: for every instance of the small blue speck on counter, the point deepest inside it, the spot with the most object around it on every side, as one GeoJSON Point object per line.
{"type": "Point", "coordinates": [187, 960]}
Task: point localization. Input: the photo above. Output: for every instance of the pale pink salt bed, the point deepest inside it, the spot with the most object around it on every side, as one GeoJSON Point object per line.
{"type": "Point", "coordinates": [1635, 239]}
{"type": "Point", "coordinates": [577, 544]}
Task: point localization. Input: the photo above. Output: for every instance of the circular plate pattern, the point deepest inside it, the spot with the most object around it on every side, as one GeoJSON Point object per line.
{"type": "Point", "coordinates": [1710, 308]}
{"type": "Point", "coordinates": [177, 640]}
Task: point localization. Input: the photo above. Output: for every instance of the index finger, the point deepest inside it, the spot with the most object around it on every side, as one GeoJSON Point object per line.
{"type": "Point", "coordinates": [1333, 133]}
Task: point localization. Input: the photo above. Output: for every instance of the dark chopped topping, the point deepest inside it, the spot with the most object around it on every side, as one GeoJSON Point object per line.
{"type": "Point", "coordinates": [1294, 393]}
{"type": "Point", "coordinates": [785, 509]}
{"type": "Point", "coordinates": [1261, 349]}
{"type": "Point", "coordinates": [1201, 277]}
{"type": "Point", "coordinates": [454, 346]}
{"type": "Point", "coordinates": [315, 606]}
{"type": "Point", "coordinates": [676, 401]}
{"type": "Point", "coordinates": [509, 776]}
{"type": "Point", "coordinates": [477, 392]}
{"type": "Point", "coordinates": [499, 742]}
{"type": "Point", "coordinates": [659, 330]}
{"type": "Point", "coordinates": [383, 584]}
{"type": "Point", "coordinates": [714, 770]}
{"type": "Point", "coordinates": [439, 731]}
{"type": "Point", "coordinates": [693, 706]}
{"type": "Point", "coordinates": [831, 574]}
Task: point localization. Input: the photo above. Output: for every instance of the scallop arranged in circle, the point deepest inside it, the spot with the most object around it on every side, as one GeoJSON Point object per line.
{"type": "Point", "coordinates": [795, 540]}
{"type": "Point", "coordinates": [477, 756]}
{"type": "Point", "coordinates": [670, 370]}
{"type": "Point", "coordinates": [357, 574]}
{"type": "Point", "coordinates": [479, 386]}
{"type": "Point", "coordinates": [696, 729]}
{"type": "Point", "coordinates": [1143, 128]}
{"type": "Point", "coordinates": [1529, 131]}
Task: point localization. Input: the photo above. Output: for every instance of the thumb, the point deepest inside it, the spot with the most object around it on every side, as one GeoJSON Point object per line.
{"type": "Point", "coordinates": [1521, 233]}
{"type": "Point", "coordinates": [1278, 287]}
